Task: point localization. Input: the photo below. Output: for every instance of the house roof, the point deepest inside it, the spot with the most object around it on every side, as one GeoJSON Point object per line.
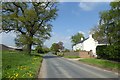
{"type": "Point", "coordinates": [81, 41]}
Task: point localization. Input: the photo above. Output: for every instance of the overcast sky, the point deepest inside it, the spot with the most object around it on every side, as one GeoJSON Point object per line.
{"type": "Point", "coordinates": [72, 17]}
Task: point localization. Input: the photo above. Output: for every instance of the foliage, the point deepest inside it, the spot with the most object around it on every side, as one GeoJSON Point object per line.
{"type": "Point", "coordinates": [109, 23]}
{"type": "Point", "coordinates": [31, 21]}
{"type": "Point", "coordinates": [103, 64]}
{"type": "Point", "coordinates": [108, 52]}
{"type": "Point", "coordinates": [39, 49]}
{"type": "Point", "coordinates": [61, 47]}
{"type": "Point", "coordinates": [100, 50]}
{"type": "Point", "coordinates": [98, 34]}
{"type": "Point", "coordinates": [77, 38]}
{"type": "Point", "coordinates": [57, 47]}
{"type": "Point", "coordinates": [46, 50]}
{"type": "Point", "coordinates": [61, 54]}
{"type": "Point", "coordinates": [15, 67]}
{"type": "Point", "coordinates": [42, 50]}
{"type": "Point", "coordinates": [108, 31]}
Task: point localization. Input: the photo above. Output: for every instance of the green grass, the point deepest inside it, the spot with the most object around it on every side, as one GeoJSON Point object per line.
{"type": "Point", "coordinates": [71, 57]}
{"type": "Point", "coordinates": [20, 65]}
{"type": "Point", "coordinates": [110, 65]}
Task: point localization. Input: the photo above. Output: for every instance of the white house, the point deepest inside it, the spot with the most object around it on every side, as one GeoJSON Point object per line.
{"type": "Point", "coordinates": [87, 44]}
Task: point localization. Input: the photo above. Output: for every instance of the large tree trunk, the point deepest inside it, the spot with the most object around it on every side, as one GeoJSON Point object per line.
{"type": "Point", "coordinates": [29, 47]}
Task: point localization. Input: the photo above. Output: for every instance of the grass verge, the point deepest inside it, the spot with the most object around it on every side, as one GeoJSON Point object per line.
{"type": "Point", "coordinates": [20, 65]}
{"type": "Point", "coordinates": [106, 64]}
{"type": "Point", "coordinates": [71, 57]}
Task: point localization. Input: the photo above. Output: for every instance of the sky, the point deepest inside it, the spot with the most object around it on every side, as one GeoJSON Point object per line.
{"type": "Point", "coordinates": [72, 17]}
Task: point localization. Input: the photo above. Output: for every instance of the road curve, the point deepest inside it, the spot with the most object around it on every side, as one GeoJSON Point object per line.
{"type": "Point", "coordinates": [56, 67]}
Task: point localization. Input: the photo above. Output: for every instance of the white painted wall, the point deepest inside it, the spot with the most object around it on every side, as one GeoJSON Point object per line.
{"type": "Point", "coordinates": [90, 44]}
{"type": "Point", "coordinates": [87, 45]}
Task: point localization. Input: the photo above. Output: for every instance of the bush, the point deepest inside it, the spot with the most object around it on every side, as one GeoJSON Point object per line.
{"type": "Point", "coordinates": [100, 50]}
{"type": "Point", "coordinates": [113, 52]}
{"type": "Point", "coordinates": [39, 49]}
{"type": "Point", "coordinates": [42, 50]}
{"type": "Point", "coordinates": [60, 54]}
{"type": "Point", "coordinates": [110, 52]}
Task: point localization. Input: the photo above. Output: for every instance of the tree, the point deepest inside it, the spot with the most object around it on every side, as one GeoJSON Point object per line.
{"type": "Point", "coordinates": [57, 46]}
{"type": "Point", "coordinates": [109, 26]}
{"type": "Point", "coordinates": [31, 21]}
{"type": "Point", "coordinates": [98, 34]}
{"type": "Point", "coordinates": [77, 38]}
{"type": "Point", "coordinates": [61, 47]}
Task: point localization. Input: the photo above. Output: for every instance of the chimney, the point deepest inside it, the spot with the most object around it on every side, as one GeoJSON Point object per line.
{"type": "Point", "coordinates": [90, 36]}
{"type": "Point", "coordinates": [81, 38]}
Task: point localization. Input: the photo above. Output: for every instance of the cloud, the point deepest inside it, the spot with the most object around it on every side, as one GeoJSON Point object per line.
{"type": "Point", "coordinates": [7, 38]}
{"type": "Point", "coordinates": [87, 6]}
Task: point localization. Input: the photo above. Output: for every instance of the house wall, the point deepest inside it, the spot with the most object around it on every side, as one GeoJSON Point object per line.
{"type": "Point", "coordinates": [85, 54]}
{"type": "Point", "coordinates": [78, 47]}
{"type": "Point", "coordinates": [81, 54]}
{"type": "Point", "coordinates": [74, 48]}
{"type": "Point", "coordinates": [71, 53]}
{"type": "Point", "coordinates": [87, 45]}
{"type": "Point", "coordinates": [90, 44]}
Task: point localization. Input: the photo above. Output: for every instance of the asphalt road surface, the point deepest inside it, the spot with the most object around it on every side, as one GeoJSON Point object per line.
{"type": "Point", "coordinates": [57, 67]}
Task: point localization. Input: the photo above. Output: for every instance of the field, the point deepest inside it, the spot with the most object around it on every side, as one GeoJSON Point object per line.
{"type": "Point", "coordinates": [109, 65]}
{"type": "Point", "coordinates": [20, 65]}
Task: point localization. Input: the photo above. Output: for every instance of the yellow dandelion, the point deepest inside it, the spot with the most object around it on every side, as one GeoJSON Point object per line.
{"type": "Point", "coordinates": [30, 75]}
{"type": "Point", "coordinates": [17, 75]}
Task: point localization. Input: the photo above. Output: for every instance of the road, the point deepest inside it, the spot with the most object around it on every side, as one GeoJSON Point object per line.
{"type": "Point", "coordinates": [56, 67]}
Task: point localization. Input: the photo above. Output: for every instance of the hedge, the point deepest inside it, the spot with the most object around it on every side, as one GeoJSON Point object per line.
{"type": "Point", "coordinates": [110, 52]}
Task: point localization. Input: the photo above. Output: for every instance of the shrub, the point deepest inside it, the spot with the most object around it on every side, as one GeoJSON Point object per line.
{"type": "Point", "coordinates": [113, 52]}
{"type": "Point", "coordinates": [42, 50]}
{"type": "Point", "coordinates": [100, 50]}
{"type": "Point", "coordinates": [39, 49]}
{"type": "Point", "coordinates": [60, 54]}
{"type": "Point", "coordinates": [110, 52]}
